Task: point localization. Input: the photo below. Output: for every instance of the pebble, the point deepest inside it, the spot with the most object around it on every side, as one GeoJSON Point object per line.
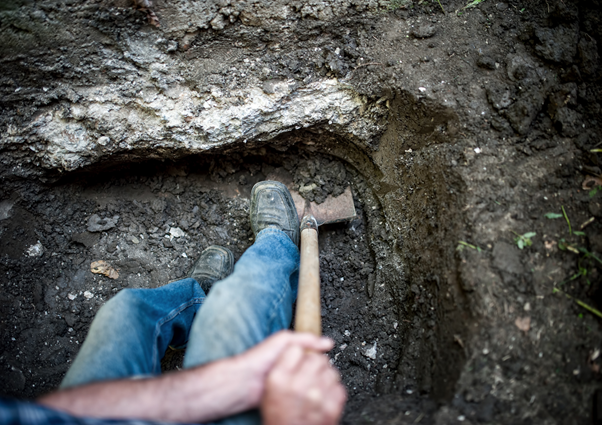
{"type": "Point", "coordinates": [36, 250]}
{"type": "Point", "coordinates": [370, 352]}
{"type": "Point", "coordinates": [71, 297]}
{"type": "Point", "coordinates": [134, 239]}
{"type": "Point", "coordinates": [88, 294]}
{"type": "Point", "coordinates": [176, 232]}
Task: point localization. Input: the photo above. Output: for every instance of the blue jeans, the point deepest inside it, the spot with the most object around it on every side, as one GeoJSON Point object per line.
{"type": "Point", "coordinates": [131, 332]}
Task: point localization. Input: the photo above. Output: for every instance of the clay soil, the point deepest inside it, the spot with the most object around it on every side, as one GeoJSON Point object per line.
{"type": "Point", "coordinates": [468, 288]}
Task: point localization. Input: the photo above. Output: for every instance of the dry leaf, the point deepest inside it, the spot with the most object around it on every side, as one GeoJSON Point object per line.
{"type": "Point", "coordinates": [590, 182]}
{"type": "Point", "coordinates": [523, 323]}
{"type": "Point", "coordinates": [102, 267]}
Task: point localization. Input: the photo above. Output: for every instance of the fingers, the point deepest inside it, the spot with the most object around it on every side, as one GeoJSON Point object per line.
{"type": "Point", "coordinates": [309, 341]}
{"type": "Point", "coordinates": [265, 354]}
{"type": "Point", "coordinates": [303, 388]}
{"type": "Point", "coordinates": [290, 359]}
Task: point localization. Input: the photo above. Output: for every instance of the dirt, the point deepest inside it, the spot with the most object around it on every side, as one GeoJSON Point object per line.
{"type": "Point", "coordinates": [475, 125]}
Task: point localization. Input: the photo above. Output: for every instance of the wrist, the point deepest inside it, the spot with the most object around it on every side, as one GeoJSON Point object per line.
{"type": "Point", "coordinates": [251, 379]}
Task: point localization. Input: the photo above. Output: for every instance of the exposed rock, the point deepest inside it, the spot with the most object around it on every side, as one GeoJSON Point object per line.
{"type": "Point", "coordinates": [68, 136]}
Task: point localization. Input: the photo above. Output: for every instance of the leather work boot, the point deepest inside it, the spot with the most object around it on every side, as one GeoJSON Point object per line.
{"type": "Point", "coordinates": [272, 206]}
{"type": "Point", "coordinates": [215, 263]}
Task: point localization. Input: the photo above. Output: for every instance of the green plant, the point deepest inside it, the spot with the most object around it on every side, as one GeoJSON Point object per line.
{"type": "Point", "coordinates": [564, 246]}
{"type": "Point", "coordinates": [441, 6]}
{"type": "Point", "coordinates": [523, 240]}
{"type": "Point", "coordinates": [472, 3]}
{"type": "Point", "coordinates": [462, 245]}
{"type": "Point", "coordinates": [552, 216]}
{"type": "Point", "coordinates": [566, 217]}
{"type": "Point", "coordinates": [581, 269]}
{"type": "Point", "coordinates": [595, 190]}
{"type": "Point", "coordinates": [580, 303]}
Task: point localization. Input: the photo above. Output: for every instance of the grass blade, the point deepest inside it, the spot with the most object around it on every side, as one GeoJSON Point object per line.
{"type": "Point", "coordinates": [566, 217]}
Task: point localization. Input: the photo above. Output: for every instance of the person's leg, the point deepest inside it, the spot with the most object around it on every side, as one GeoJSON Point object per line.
{"type": "Point", "coordinates": [131, 332]}
{"type": "Point", "coordinates": [242, 310]}
{"type": "Point", "coordinates": [256, 300]}
{"type": "Point", "coordinates": [252, 303]}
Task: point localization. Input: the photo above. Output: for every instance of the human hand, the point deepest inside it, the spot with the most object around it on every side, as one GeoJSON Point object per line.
{"type": "Point", "coordinates": [302, 389]}
{"type": "Point", "coordinates": [254, 365]}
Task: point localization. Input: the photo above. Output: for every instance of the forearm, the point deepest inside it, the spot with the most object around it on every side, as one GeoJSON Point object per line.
{"type": "Point", "coordinates": [201, 394]}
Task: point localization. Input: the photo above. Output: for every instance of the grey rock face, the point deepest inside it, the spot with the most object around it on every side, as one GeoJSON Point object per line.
{"type": "Point", "coordinates": [140, 91]}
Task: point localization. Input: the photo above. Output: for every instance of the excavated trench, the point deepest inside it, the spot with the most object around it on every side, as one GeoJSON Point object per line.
{"type": "Point", "coordinates": [390, 295]}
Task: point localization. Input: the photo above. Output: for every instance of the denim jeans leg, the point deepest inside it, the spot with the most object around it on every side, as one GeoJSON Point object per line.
{"type": "Point", "coordinates": [252, 303]}
{"type": "Point", "coordinates": [131, 332]}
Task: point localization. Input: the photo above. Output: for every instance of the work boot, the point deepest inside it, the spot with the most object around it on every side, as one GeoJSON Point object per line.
{"type": "Point", "coordinates": [272, 206]}
{"type": "Point", "coordinates": [215, 263]}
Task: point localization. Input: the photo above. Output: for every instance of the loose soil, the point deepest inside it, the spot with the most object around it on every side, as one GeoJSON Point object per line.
{"type": "Point", "coordinates": [438, 315]}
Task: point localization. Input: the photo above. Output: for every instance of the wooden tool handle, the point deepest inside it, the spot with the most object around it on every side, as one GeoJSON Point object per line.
{"type": "Point", "coordinates": [308, 317]}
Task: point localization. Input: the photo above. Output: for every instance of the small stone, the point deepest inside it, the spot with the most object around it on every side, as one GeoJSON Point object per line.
{"type": "Point", "coordinates": [370, 352]}
{"type": "Point", "coordinates": [71, 296]}
{"type": "Point", "coordinates": [176, 232]}
{"type": "Point", "coordinates": [112, 246]}
{"type": "Point", "coordinates": [5, 209]}
{"type": "Point", "coordinates": [135, 240]}
{"type": "Point", "coordinates": [36, 250]}
{"type": "Point", "coordinates": [103, 141]}
{"type": "Point", "coordinates": [486, 62]}
{"type": "Point", "coordinates": [88, 295]}
{"type": "Point", "coordinates": [347, 333]}
{"type": "Point", "coordinates": [167, 243]}
{"type": "Point", "coordinates": [97, 224]}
